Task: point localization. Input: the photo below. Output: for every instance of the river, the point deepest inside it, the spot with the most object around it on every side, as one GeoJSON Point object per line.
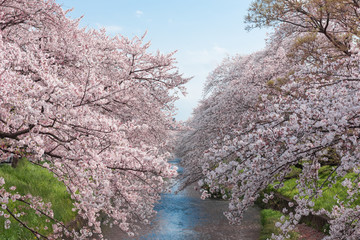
{"type": "Point", "coordinates": [185, 216]}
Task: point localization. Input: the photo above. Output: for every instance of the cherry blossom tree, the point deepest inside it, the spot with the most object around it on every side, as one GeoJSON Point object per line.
{"type": "Point", "coordinates": [232, 91]}
{"type": "Point", "coordinates": [305, 103]}
{"type": "Point", "coordinates": [336, 20]}
{"type": "Point", "coordinates": [94, 110]}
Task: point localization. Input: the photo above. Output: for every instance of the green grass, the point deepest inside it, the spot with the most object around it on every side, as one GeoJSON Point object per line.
{"type": "Point", "coordinates": [268, 219]}
{"type": "Point", "coordinates": [37, 181]}
{"type": "Point", "coordinates": [327, 200]}
{"type": "Point", "coordinates": [331, 191]}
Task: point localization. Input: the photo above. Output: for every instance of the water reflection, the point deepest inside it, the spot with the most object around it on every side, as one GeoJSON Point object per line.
{"type": "Point", "coordinates": [186, 216]}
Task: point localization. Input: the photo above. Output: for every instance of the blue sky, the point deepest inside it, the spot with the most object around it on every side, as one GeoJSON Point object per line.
{"type": "Point", "coordinates": [202, 31]}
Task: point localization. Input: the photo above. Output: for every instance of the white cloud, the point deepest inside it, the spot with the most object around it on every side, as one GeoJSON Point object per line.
{"type": "Point", "coordinates": [207, 57]}
{"type": "Point", "coordinates": [112, 29]}
{"type": "Point", "coordinates": [139, 13]}
{"type": "Point", "coordinates": [197, 63]}
{"type": "Point", "coordinates": [220, 50]}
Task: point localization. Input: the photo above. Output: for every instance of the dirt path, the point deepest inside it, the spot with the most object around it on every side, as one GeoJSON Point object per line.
{"type": "Point", "coordinates": [308, 233]}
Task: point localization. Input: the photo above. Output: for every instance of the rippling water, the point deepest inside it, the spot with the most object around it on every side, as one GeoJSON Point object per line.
{"type": "Point", "coordinates": [186, 216]}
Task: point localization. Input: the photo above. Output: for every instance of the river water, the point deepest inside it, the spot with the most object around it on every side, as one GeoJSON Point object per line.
{"type": "Point", "coordinates": [185, 216]}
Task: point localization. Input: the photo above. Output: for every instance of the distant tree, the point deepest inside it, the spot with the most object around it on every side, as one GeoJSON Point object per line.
{"type": "Point", "coordinates": [94, 110]}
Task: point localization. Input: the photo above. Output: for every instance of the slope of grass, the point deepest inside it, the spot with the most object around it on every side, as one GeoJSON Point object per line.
{"type": "Point", "coordinates": [37, 181]}
{"type": "Point", "coordinates": [268, 219]}
{"type": "Point", "coordinates": [330, 193]}
{"type": "Point", "coordinates": [327, 200]}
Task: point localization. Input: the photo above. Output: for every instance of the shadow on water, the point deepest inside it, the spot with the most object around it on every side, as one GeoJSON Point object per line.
{"type": "Point", "coordinates": [185, 216]}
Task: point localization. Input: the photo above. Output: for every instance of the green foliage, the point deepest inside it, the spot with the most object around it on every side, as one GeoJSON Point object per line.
{"type": "Point", "coordinates": [37, 181]}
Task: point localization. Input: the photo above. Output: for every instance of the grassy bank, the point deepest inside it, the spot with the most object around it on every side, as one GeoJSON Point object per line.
{"type": "Point", "coordinates": [269, 218]}
{"type": "Point", "coordinates": [329, 190]}
{"type": "Point", "coordinates": [37, 181]}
